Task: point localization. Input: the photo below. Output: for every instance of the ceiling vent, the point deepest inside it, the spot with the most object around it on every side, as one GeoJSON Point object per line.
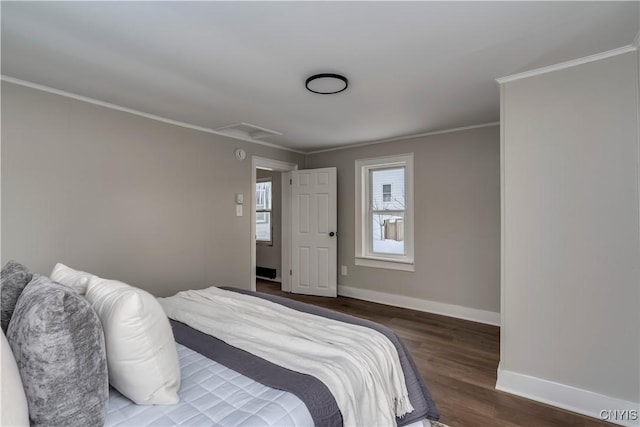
{"type": "Point", "coordinates": [247, 130]}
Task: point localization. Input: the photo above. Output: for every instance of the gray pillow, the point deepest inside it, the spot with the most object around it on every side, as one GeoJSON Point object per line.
{"type": "Point", "coordinates": [58, 343]}
{"type": "Point", "coordinates": [13, 278]}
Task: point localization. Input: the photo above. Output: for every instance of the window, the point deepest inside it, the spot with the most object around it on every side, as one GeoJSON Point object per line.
{"type": "Point", "coordinates": [263, 211]}
{"type": "Point", "coordinates": [384, 212]}
{"type": "Point", "coordinates": [386, 192]}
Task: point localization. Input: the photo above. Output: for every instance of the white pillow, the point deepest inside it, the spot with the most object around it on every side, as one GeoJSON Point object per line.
{"type": "Point", "coordinates": [75, 279]}
{"type": "Point", "coordinates": [142, 358]}
{"type": "Point", "coordinates": [14, 410]}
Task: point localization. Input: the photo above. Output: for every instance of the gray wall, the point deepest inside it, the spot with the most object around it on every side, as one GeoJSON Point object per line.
{"type": "Point", "coordinates": [123, 196]}
{"type": "Point", "coordinates": [270, 255]}
{"type": "Point", "coordinates": [457, 218]}
{"type": "Point", "coordinates": [571, 241]}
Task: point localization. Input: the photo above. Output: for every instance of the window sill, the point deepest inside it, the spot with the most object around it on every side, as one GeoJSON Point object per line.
{"type": "Point", "coordinates": [385, 263]}
{"type": "Point", "coordinates": [264, 243]}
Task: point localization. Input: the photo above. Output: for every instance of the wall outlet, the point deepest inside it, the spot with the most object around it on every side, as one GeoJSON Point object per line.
{"type": "Point", "coordinates": [238, 210]}
{"type": "Point", "coordinates": [343, 270]}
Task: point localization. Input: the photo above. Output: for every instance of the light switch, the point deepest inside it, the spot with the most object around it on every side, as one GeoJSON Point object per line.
{"type": "Point", "coordinates": [343, 270]}
{"type": "Point", "coordinates": [239, 198]}
{"type": "Point", "coordinates": [238, 210]}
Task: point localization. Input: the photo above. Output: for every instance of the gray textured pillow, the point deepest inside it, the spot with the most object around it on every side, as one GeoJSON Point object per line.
{"type": "Point", "coordinates": [13, 278]}
{"type": "Point", "coordinates": [58, 343]}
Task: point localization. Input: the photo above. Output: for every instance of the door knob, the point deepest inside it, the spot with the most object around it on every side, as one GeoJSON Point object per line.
{"type": "Point", "coordinates": [332, 234]}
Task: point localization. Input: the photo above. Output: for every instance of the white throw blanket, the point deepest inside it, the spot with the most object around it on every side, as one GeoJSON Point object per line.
{"type": "Point", "coordinates": [360, 366]}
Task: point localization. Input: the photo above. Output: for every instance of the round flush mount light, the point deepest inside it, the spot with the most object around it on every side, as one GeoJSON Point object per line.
{"type": "Point", "coordinates": [326, 83]}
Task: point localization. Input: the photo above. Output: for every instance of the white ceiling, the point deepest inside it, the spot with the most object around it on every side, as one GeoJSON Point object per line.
{"type": "Point", "coordinates": [413, 67]}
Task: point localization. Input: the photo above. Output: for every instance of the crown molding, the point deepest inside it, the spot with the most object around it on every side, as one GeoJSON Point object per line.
{"type": "Point", "coordinates": [48, 89]}
{"type": "Point", "coordinates": [568, 64]}
{"type": "Point", "coordinates": [400, 138]}
{"type": "Point", "coordinates": [109, 105]}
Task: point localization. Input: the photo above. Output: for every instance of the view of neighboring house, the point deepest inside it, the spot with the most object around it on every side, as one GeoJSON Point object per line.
{"type": "Point", "coordinates": [387, 208]}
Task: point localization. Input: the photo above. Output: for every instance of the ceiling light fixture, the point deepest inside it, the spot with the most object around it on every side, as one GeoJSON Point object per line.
{"type": "Point", "coordinates": [326, 83]}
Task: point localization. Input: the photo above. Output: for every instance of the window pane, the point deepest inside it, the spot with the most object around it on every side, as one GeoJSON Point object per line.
{"type": "Point", "coordinates": [386, 192]}
{"type": "Point", "coordinates": [263, 226]}
{"type": "Point", "coordinates": [263, 203]}
{"type": "Point", "coordinates": [263, 195]}
{"type": "Point", "coordinates": [387, 189]}
{"type": "Point", "coordinates": [387, 233]}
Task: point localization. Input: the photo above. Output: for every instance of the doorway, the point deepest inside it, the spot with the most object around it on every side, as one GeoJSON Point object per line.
{"type": "Point", "coordinates": [272, 168]}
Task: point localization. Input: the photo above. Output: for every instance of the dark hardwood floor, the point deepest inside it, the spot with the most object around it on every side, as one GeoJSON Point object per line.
{"type": "Point", "coordinates": [458, 359]}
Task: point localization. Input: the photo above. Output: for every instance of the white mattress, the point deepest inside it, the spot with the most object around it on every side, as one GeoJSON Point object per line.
{"type": "Point", "coordinates": [212, 395]}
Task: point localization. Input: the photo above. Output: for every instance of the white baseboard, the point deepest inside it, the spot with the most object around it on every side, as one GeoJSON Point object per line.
{"type": "Point", "coordinates": [451, 310]}
{"type": "Point", "coordinates": [570, 398]}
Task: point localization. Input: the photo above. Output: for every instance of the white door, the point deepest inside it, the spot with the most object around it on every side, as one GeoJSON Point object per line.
{"type": "Point", "coordinates": [314, 238]}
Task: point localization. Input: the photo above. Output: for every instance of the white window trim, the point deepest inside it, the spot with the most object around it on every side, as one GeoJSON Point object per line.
{"type": "Point", "coordinates": [363, 256]}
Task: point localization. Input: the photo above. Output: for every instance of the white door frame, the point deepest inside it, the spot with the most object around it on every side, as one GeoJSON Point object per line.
{"type": "Point", "coordinates": [285, 242]}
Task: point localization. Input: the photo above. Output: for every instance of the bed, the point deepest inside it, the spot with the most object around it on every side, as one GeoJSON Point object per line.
{"type": "Point", "coordinates": [244, 389]}
{"type": "Point", "coordinates": [218, 356]}
{"type": "Point", "coordinates": [214, 395]}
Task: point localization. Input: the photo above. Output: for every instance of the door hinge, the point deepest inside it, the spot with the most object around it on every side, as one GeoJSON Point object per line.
{"type": "Point", "coordinates": [290, 272]}
{"type": "Point", "coordinates": [290, 181]}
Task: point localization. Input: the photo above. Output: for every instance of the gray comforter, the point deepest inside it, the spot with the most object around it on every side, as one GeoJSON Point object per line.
{"type": "Point", "coordinates": [313, 392]}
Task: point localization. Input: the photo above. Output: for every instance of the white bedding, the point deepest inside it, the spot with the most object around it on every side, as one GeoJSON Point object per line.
{"type": "Point", "coordinates": [212, 395]}
{"type": "Point", "coordinates": [360, 366]}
